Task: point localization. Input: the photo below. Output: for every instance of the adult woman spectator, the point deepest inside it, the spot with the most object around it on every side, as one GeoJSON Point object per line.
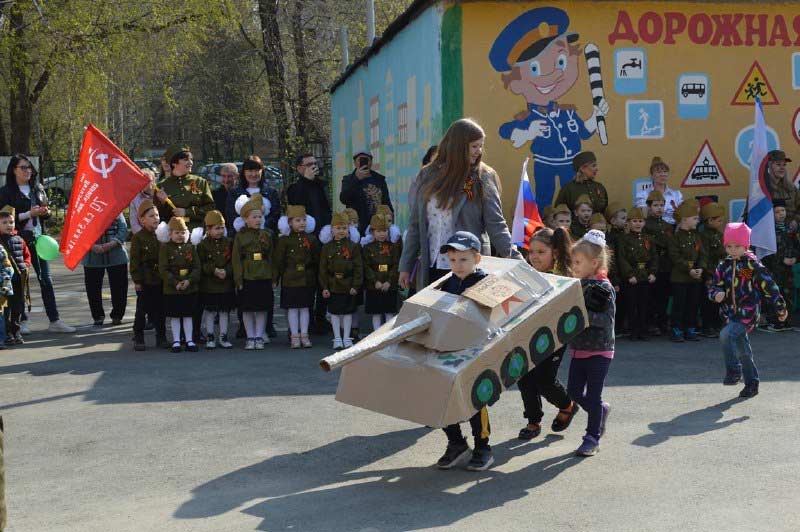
{"type": "Point", "coordinates": [182, 194]}
{"type": "Point", "coordinates": [28, 197]}
{"type": "Point", "coordinates": [456, 192]}
{"type": "Point", "coordinates": [659, 175]}
{"type": "Point", "coordinates": [251, 180]}
{"type": "Point", "coordinates": [108, 254]}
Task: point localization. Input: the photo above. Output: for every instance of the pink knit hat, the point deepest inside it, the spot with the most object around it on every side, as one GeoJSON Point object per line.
{"type": "Point", "coordinates": [737, 233]}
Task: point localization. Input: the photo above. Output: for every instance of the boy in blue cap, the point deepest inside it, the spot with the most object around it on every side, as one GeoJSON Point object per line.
{"type": "Point", "coordinates": [464, 253]}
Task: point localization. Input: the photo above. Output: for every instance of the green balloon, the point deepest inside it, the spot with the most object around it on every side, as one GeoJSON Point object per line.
{"type": "Point", "coordinates": [46, 247]}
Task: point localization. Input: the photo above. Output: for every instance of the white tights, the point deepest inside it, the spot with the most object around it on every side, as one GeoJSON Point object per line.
{"type": "Point", "coordinates": [255, 323]}
{"type": "Point", "coordinates": [344, 321]}
{"type": "Point", "coordinates": [209, 316]}
{"type": "Point", "coordinates": [376, 319]}
{"type": "Point", "coordinates": [175, 325]}
{"type": "Point", "coordinates": [298, 320]}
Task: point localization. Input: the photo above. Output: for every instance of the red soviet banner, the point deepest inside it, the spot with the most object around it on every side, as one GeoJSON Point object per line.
{"type": "Point", "coordinates": [106, 181]}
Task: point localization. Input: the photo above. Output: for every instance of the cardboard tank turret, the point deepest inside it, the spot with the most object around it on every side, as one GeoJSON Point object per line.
{"type": "Point", "coordinates": [443, 357]}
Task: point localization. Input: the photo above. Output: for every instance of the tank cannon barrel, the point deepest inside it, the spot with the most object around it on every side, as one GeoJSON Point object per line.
{"type": "Point", "coordinates": [367, 347]}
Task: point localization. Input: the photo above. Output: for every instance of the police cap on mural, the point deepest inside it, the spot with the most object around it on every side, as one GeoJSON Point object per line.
{"type": "Point", "coordinates": [528, 35]}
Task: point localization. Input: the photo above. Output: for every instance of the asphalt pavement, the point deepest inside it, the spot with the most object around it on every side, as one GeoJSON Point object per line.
{"type": "Point", "coordinates": [102, 438]}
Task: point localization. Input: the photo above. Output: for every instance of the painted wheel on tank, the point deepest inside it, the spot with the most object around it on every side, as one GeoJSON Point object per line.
{"type": "Point", "coordinates": [485, 389]}
{"type": "Point", "coordinates": [570, 324]}
{"type": "Point", "coordinates": [542, 345]}
{"type": "Point", "coordinates": [514, 366]}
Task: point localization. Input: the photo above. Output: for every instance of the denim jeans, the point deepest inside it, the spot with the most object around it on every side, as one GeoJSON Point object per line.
{"type": "Point", "coordinates": [45, 283]}
{"type": "Point", "coordinates": [585, 386]}
{"type": "Point", "coordinates": [737, 351]}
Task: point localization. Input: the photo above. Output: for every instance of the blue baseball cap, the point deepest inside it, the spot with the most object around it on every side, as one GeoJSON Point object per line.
{"type": "Point", "coordinates": [462, 241]}
{"type": "Point", "coordinates": [528, 35]}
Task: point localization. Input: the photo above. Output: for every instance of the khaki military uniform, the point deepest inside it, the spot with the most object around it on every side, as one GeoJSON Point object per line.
{"type": "Point", "coordinates": [216, 254]}
{"type": "Point", "coordinates": [297, 263]}
{"type": "Point", "coordinates": [145, 249]}
{"type": "Point", "coordinates": [252, 255]}
{"type": "Point", "coordinates": [686, 253]}
{"type": "Point", "coordinates": [176, 263]}
{"type": "Point", "coordinates": [577, 229]}
{"type": "Point", "coordinates": [340, 270]}
{"type": "Point", "coordinates": [660, 231]}
{"type": "Point", "coordinates": [570, 193]}
{"type": "Point", "coordinates": [381, 264]}
{"type": "Point", "coordinates": [636, 257]}
{"type": "Point", "coordinates": [189, 192]}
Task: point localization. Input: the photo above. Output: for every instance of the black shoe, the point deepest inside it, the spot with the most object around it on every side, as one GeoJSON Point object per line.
{"type": "Point", "coordinates": [98, 323]}
{"type": "Point", "coordinates": [176, 347]}
{"type": "Point", "coordinates": [749, 390]}
{"type": "Point", "coordinates": [355, 334]}
{"type": "Point", "coordinates": [453, 455]}
{"type": "Point", "coordinates": [731, 378]}
{"type": "Point", "coordinates": [654, 331]}
{"type": "Point", "coordinates": [528, 433]}
{"type": "Point", "coordinates": [192, 347]}
{"type": "Point", "coordinates": [560, 426]}
{"type": "Point", "coordinates": [271, 332]}
{"type": "Point", "coordinates": [481, 460]}
{"type": "Point", "coordinates": [116, 321]}
{"type": "Point", "coordinates": [138, 342]}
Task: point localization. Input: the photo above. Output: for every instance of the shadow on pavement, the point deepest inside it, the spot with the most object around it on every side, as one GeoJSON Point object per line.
{"type": "Point", "coordinates": [693, 423]}
{"type": "Point", "coordinates": [325, 490]}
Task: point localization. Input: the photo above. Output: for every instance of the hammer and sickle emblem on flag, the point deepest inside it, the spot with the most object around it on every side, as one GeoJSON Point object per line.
{"type": "Point", "coordinates": [103, 170]}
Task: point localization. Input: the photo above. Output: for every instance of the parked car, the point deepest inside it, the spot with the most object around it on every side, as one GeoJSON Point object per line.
{"type": "Point", "coordinates": [59, 187]}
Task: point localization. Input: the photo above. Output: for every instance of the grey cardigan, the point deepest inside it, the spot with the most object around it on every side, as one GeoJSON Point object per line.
{"type": "Point", "coordinates": [482, 218]}
{"type": "Point", "coordinates": [117, 231]}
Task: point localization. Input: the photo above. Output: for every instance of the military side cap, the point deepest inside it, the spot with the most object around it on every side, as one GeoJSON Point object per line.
{"type": "Point", "coordinates": [612, 210]}
{"type": "Point", "coordinates": [174, 150]}
{"type": "Point", "coordinates": [583, 199]}
{"type": "Point", "coordinates": [384, 210]}
{"type": "Point", "coordinates": [547, 212]}
{"type": "Point", "coordinates": [144, 206]}
{"type": "Point", "coordinates": [597, 218]}
{"type": "Point", "coordinates": [352, 215]}
{"type": "Point", "coordinates": [775, 203]}
{"type": "Point", "coordinates": [686, 209]}
{"type": "Point", "coordinates": [255, 202]}
{"type": "Point", "coordinates": [295, 211]}
{"type": "Point", "coordinates": [214, 218]}
{"type": "Point", "coordinates": [584, 157]}
{"type": "Point", "coordinates": [635, 213]}
{"type": "Point", "coordinates": [379, 223]}
{"type": "Point", "coordinates": [528, 35]}
{"type": "Point", "coordinates": [655, 195]}
{"type": "Point", "coordinates": [712, 210]}
{"type": "Point", "coordinates": [9, 209]}
{"type": "Point", "coordinates": [778, 155]}
{"type": "Point", "coordinates": [340, 218]}
{"type": "Point", "coordinates": [561, 208]}
{"type": "Point", "coordinates": [177, 223]}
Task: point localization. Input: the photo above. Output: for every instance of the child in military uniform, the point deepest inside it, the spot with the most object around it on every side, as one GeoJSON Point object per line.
{"type": "Point", "coordinates": [636, 262]}
{"type": "Point", "coordinates": [17, 251]}
{"type": "Point", "coordinates": [179, 267]}
{"type": "Point", "coordinates": [547, 217]}
{"type": "Point", "coordinates": [617, 218]}
{"type": "Point", "coordinates": [146, 279]}
{"type": "Point", "coordinates": [583, 215]}
{"type": "Point", "coordinates": [781, 262]}
{"type": "Point", "coordinates": [659, 231]}
{"type": "Point", "coordinates": [6, 290]}
{"type": "Point", "coordinates": [713, 216]}
{"type": "Point", "coordinates": [381, 268]}
{"type": "Point", "coordinates": [296, 260]}
{"type": "Point", "coordinates": [395, 235]}
{"type": "Point", "coordinates": [216, 285]}
{"type": "Point", "coordinates": [598, 222]}
{"type": "Point", "coordinates": [562, 217]}
{"type": "Point", "coordinates": [341, 277]}
{"type": "Point", "coordinates": [252, 259]}
{"type": "Point", "coordinates": [688, 262]}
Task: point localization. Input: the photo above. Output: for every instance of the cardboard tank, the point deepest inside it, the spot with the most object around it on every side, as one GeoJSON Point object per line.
{"type": "Point", "coordinates": [444, 356]}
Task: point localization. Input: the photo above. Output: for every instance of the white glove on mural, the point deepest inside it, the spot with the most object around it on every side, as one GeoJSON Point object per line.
{"type": "Point", "coordinates": [520, 136]}
{"type": "Point", "coordinates": [601, 109]}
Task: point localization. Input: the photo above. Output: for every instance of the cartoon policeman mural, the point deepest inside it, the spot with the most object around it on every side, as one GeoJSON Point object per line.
{"type": "Point", "coordinates": [538, 60]}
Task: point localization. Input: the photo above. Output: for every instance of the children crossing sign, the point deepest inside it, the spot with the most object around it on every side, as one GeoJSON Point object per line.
{"type": "Point", "coordinates": [705, 171]}
{"type": "Point", "coordinates": [755, 85]}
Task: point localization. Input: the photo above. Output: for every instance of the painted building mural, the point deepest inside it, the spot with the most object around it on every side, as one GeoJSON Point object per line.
{"type": "Point", "coordinates": [392, 107]}
{"type": "Point", "coordinates": [627, 80]}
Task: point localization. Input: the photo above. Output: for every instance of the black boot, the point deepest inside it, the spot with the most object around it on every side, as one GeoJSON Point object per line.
{"type": "Point", "coordinates": [749, 390]}
{"type": "Point", "coordinates": [138, 341]}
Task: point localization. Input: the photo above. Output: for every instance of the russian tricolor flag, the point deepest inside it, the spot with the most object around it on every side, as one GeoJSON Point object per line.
{"type": "Point", "coordinates": [526, 215]}
{"type": "Point", "coordinates": [759, 204]}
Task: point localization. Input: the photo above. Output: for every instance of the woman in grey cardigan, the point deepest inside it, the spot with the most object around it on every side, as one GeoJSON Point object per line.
{"type": "Point", "coordinates": [456, 192]}
{"type": "Point", "coordinates": [108, 254]}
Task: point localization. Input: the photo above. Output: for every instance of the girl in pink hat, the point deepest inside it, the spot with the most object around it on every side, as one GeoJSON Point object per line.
{"type": "Point", "coordinates": [739, 284]}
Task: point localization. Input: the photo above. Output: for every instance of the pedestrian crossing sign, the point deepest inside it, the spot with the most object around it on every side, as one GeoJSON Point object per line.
{"type": "Point", "coordinates": [705, 171]}
{"type": "Point", "coordinates": [755, 85]}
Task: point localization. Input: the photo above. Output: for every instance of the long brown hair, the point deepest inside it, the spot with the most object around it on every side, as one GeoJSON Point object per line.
{"type": "Point", "coordinates": [452, 165]}
{"type": "Point", "coordinates": [559, 241]}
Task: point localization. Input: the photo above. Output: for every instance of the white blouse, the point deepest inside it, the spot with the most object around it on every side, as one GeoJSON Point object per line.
{"type": "Point", "coordinates": [672, 199]}
{"type": "Point", "coordinates": [440, 229]}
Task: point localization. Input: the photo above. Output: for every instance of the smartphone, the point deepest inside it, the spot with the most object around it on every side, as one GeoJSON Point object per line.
{"type": "Point", "coordinates": [363, 161]}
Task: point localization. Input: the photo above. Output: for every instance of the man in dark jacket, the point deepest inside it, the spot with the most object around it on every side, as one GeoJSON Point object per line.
{"type": "Point", "coordinates": [309, 191]}
{"type": "Point", "coordinates": [228, 174]}
{"type": "Point", "coordinates": [364, 189]}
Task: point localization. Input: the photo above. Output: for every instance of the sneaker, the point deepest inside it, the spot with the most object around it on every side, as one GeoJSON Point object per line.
{"type": "Point", "coordinates": [606, 411]}
{"type": "Point", "coordinates": [732, 377]}
{"type": "Point", "coordinates": [481, 460]}
{"type": "Point", "coordinates": [59, 326]}
{"type": "Point", "coordinates": [709, 333]}
{"type": "Point", "coordinates": [337, 343]}
{"type": "Point", "coordinates": [24, 329]}
{"type": "Point", "coordinates": [98, 324]}
{"type": "Point", "coordinates": [305, 341]}
{"type": "Point", "coordinates": [259, 343]}
{"type": "Point", "coordinates": [691, 335]}
{"type": "Point", "coordinates": [295, 342]}
{"type": "Point", "coordinates": [347, 342]}
{"type": "Point", "coordinates": [18, 338]}
{"type": "Point", "coordinates": [564, 418]}
{"type": "Point", "coordinates": [116, 321]}
{"type": "Point", "coordinates": [677, 336]}
{"type": "Point", "coordinates": [453, 455]}
{"type": "Point", "coordinates": [530, 432]}
{"type": "Point", "coordinates": [176, 347]}
{"type": "Point", "coordinates": [210, 343]}
{"type": "Point", "coordinates": [749, 390]}
{"type": "Point", "coordinates": [250, 344]}
{"type": "Point", "coordinates": [265, 339]}
{"type": "Point", "coordinates": [192, 347]}
{"type": "Point", "coordinates": [589, 447]}
{"type": "Point", "coordinates": [224, 343]}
